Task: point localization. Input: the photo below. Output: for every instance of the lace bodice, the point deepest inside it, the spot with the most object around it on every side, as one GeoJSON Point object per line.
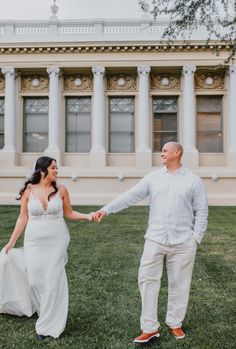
{"type": "Point", "coordinates": [54, 208]}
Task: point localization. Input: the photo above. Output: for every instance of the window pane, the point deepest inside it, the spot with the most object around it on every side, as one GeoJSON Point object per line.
{"type": "Point", "coordinates": [123, 104]}
{"type": "Point", "coordinates": [165, 104]}
{"type": "Point", "coordinates": [121, 142]}
{"type": "Point", "coordinates": [35, 142]}
{"type": "Point", "coordinates": [1, 122]}
{"type": "Point", "coordinates": [121, 122]}
{"type": "Point", "coordinates": [165, 122]}
{"type": "Point", "coordinates": [1, 140]}
{"type": "Point", "coordinates": [209, 103]}
{"type": "Point", "coordinates": [80, 141]}
{"type": "Point", "coordinates": [35, 124]}
{"type": "Point", "coordinates": [160, 138]}
{"type": "Point", "coordinates": [209, 124]}
{"type": "Point", "coordinates": [211, 141]}
{"type": "Point", "coordinates": [121, 125]}
{"type": "Point", "coordinates": [1, 106]}
{"type": "Point", "coordinates": [78, 105]}
{"type": "Point", "coordinates": [165, 126]}
{"type": "Point", "coordinates": [36, 105]}
{"type": "Point", "coordinates": [78, 124]}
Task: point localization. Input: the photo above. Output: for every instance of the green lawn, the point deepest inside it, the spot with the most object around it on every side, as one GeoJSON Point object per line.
{"type": "Point", "coordinates": [104, 298]}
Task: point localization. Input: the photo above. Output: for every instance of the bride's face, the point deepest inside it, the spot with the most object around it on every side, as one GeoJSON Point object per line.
{"type": "Point", "coordinates": [52, 171]}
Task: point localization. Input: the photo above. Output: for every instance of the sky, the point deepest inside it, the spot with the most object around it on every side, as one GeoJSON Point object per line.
{"type": "Point", "coordinates": [69, 9]}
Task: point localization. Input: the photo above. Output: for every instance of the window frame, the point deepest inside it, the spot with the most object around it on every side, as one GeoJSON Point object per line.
{"type": "Point", "coordinates": [67, 97]}
{"type": "Point", "coordinates": [24, 133]}
{"type": "Point", "coordinates": [116, 96]}
{"type": "Point", "coordinates": [164, 96]}
{"type": "Point", "coordinates": [220, 95]}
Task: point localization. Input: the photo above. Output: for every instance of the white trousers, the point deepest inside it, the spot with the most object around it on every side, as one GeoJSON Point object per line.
{"type": "Point", "coordinates": [179, 263]}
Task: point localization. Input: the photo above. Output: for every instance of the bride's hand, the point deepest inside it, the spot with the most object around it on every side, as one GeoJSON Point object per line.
{"type": "Point", "coordinates": [8, 247]}
{"type": "Point", "coordinates": [90, 216]}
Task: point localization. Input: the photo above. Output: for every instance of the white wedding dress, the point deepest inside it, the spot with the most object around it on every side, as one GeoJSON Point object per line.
{"type": "Point", "coordinates": [33, 278]}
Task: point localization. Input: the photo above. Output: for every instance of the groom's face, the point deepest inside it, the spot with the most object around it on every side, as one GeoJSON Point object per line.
{"type": "Point", "coordinates": [169, 153]}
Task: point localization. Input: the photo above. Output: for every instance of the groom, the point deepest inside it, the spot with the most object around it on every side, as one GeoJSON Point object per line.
{"type": "Point", "coordinates": [177, 223]}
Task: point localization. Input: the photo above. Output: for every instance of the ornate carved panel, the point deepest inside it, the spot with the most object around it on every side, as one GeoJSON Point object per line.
{"type": "Point", "coordinates": [209, 80]}
{"type": "Point", "coordinates": [34, 83]}
{"type": "Point", "coordinates": [2, 83]}
{"type": "Point", "coordinates": [125, 82]}
{"type": "Point", "coordinates": [78, 82]}
{"type": "Point", "coordinates": [165, 81]}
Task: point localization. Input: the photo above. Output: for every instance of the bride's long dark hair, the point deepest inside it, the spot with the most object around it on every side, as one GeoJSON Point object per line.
{"type": "Point", "coordinates": [41, 165]}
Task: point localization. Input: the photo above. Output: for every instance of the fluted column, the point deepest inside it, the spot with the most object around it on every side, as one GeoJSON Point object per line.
{"type": "Point", "coordinates": [231, 151]}
{"type": "Point", "coordinates": [8, 153]}
{"type": "Point", "coordinates": [54, 124]}
{"type": "Point", "coordinates": [143, 153]}
{"type": "Point", "coordinates": [97, 153]}
{"type": "Point", "coordinates": [189, 117]}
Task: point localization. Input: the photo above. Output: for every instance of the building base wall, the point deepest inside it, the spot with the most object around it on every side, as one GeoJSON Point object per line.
{"type": "Point", "coordinates": [98, 187]}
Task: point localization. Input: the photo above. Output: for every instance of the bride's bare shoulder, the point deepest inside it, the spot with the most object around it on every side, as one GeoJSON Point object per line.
{"type": "Point", "coordinates": [62, 188]}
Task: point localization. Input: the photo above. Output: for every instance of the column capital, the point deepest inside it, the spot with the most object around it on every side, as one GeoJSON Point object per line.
{"type": "Point", "coordinates": [232, 69]}
{"type": "Point", "coordinates": [98, 71]}
{"type": "Point", "coordinates": [53, 71]}
{"type": "Point", "coordinates": [144, 70]}
{"type": "Point", "coordinates": [189, 69]}
{"type": "Point", "coordinates": [9, 71]}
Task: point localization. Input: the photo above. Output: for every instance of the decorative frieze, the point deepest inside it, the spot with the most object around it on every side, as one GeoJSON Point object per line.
{"type": "Point", "coordinates": [91, 48]}
{"type": "Point", "coordinates": [78, 82]}
{"type": "Point", "coordinates": [165, 81]}
{"type": "Point", "coordinates": [125, 82]}
{"type": "Point", "coordinates": [34, 83]}
{"type": "Point", "coordinates": [209, 80]}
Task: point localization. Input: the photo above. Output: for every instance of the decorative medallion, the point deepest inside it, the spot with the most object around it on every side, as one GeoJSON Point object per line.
{"type": "Point", "coordinates": [78, 82]}
{"type": "Point", "coordinates": [210, 80]}
{"type": "Point", "coordinates": [165, 81]}
{"type": "Point", "coordinates": [34, 83]}
{"type": "Point", "coordinates": [2, 83]}
{"type": "Point", "coordinates": [121, 82]}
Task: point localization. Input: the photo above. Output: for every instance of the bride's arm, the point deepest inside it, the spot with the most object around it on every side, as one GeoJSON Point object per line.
{"type": "Point", "coordinates": [20, 223]}
{"type": "Point", "coordinates": [68, 211]}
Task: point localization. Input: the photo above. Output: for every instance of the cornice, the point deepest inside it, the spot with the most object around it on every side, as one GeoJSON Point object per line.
{"type": "Point", "coordinates": [110, 48]}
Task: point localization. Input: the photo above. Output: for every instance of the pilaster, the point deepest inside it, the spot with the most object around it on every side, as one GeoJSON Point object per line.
{"type": "Point", "coordinates": [97, 156]}
{"type": "Point", "coordinates": [143, 152]}
{"type": "Point", "coordinates": [54, 122]}
{"type": "Point", "coordinates": [8, 155]}
{"type": "Point", "coordinates": [190, 156]}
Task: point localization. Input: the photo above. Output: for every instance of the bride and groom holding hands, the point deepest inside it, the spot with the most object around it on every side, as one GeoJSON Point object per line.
{"type": "Point", "coordinates": [33, 279]}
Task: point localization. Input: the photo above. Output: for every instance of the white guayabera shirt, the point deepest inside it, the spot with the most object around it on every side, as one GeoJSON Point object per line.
{"type": "Point", "coordinates": [178, 205]}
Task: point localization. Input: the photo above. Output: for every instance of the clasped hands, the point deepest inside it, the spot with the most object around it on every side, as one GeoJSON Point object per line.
{"type": "Point", "coordinates": [98, 216]}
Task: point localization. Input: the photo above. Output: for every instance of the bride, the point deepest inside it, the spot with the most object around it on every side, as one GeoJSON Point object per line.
{"type": "Point", "coordinates": [33, 278]}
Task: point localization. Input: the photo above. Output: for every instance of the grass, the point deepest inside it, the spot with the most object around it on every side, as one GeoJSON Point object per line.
{"type": "Point", "coordinates": [104, 305]}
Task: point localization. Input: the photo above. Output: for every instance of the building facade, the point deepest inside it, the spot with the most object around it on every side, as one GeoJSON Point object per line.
{"type": "Point", "coordinates": [102, 97]}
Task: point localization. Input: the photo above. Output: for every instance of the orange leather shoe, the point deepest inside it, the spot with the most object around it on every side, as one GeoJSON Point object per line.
{"type": "Point", "coordinates": [178, 333]}
{"type": "Point", "coordinates": [146, 337]}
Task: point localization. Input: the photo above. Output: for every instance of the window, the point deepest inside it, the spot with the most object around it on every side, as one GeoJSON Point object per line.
{"type": "Point", "coordinates": [164, 121]}
{"type": "Point", "coordinates": [78, 124]}
{"type": "Point", "coordinates": [1, 123]}
{"type": "Point", "coordinates": [209, 124]}
{"type": "Point", "coordinates": [35, 124]}
{"type": "Point", "coordinates": [121, 124]}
